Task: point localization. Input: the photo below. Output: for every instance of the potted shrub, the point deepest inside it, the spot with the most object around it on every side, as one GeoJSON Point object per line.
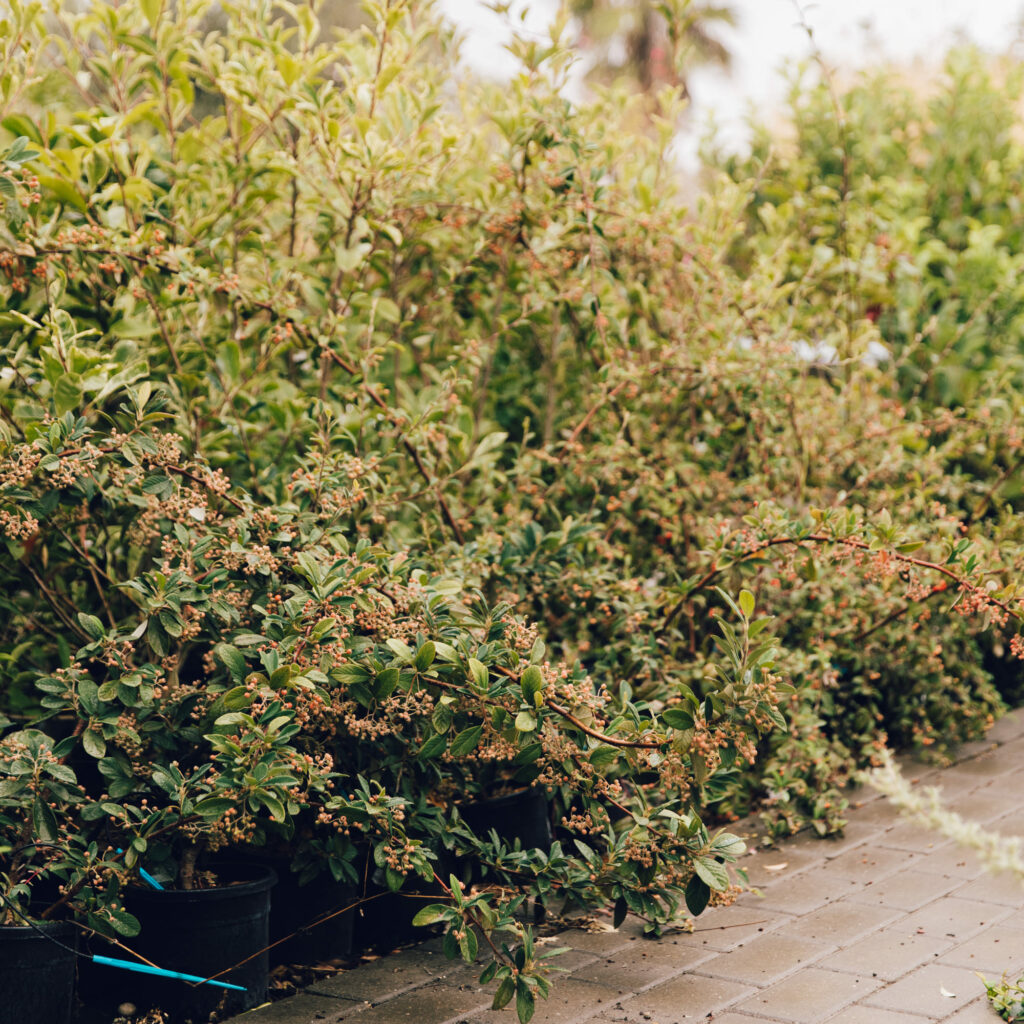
{"type": "Point", "coordinates": [51, 876]}
{"type": "Point", "coordinates": [257, 675]}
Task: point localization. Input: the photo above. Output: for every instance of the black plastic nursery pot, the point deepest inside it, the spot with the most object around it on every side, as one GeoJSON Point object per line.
{"type": "Point", "coordinates": [521, 815]}
{"type": "Point", "coordinates": [308, 923]}
{"type": "Point", "coordinates": [37, 976]}
{"type": "Point", "coordinates": [202, 932]}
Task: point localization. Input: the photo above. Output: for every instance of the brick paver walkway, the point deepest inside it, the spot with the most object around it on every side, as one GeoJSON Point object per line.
{"type": "Point", "coordinates": [886, 925]}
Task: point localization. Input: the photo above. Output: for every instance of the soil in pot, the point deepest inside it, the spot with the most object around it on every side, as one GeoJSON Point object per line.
{"type": "Point", "coordinates": [203, 932]}
{"type": "Point", "coordinates": [37, 976]}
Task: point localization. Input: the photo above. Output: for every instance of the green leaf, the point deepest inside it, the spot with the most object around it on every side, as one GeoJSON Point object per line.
{"type": "Point", "coordinates": [151, 9]}
{"type": "Point", "coordinates": [434, 747]}
{"type": "Point", "coordinates": [526, 721]}
{"type": "Point", "coordinates": [446, 653]}
{"type": "Point", "coordinates": [526, 1002]}
{"type": "Point", "coordinates": [468, 944]}
{"type": "Point", "coordinates": [529, 753]}
{"type": "Point", "coordinates": [236, 698]}
{"type": "Point", "coordinates": [249, 639]}
{"type": "Point", "coordinates": [402, 649]}
{"type": "Point", "coordinates": [214, 806]}
{"type": "Point", "coordinates": [276, 808]}
{"type": "Point", "coordinates": [425, 657]}
{"type": "Point", "coordinates": [478, 673]}
{"type": "Point", "coordinates": [697, 895]}
{"type": "Point", "coordinates": [621, 909]}
{"type": "Point", "coordinates": [232, 658]}
{"type": "Point", "coordinates": [171, 623]}
{"type": "Point", "coordinates": [385, 683]}
{"type": "Point", "coordinates": [124, 923]}
{"type": "Point", "coordinates": [504, 994]}
{"type": "Point", "coordinates": [431, 914]}
{"type": "Point", "coordinates": [20, 125]}
{"type": "Point", "coordinates": [94, 744]}
{"type": "Point", "coordinates": [910, 546]}
{"type": "Point", "coordinates": [466, 741]}
{"type": "Point", "coordinates": [92, 625]}
{"type": "Point", "coordinates": [67, 395]}
{"type": "Point", "coordinates": [532, 682]}
{"type": "Point", "coordinates": [44, 824]}
{"type": "Point", "coordinates": [712, 873]}
{"type": "Point", "coordinates": [677, 718]}
{"type": "Point", "coordinates": [747, 603]}
{"type": "Point", "coordinates": [62, 773]}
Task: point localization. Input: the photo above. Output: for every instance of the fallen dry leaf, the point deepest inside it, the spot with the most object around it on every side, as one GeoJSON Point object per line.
{"type": "Point", "coordinates": [776, 867]}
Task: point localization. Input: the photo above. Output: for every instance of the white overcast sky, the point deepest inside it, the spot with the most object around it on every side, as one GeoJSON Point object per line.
{"type": "Point", "coordinates": [850, 34]}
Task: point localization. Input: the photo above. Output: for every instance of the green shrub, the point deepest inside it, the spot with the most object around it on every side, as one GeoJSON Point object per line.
{"type": "Point", "coordinates": [306, 336]}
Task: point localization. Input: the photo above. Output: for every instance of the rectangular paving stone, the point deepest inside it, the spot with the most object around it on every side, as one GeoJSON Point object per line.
{"type": "Point", "coordinates": [722, 928]}
{"type": "Point", "coordinates": [1012, 751]}
{"type": "Point", "coordinates": [855, 834]}
{"type": "Point", "coordinates": [1005, 759]}
{"type": "Point", "coordinates": [998, 787]}
{"type": "Point", "coordinates": [981, 805]}
{"type": "Point", "coordinates": [468, 975]}
{"type": "Point", "coordinates": [888, 954]}
{"type": "Point", "coordinates": [570, 960]}
{"type": "Point", "coordinates": [921, 991]}
{"type": "Point", "coordinates": [988, 888]}
{"type": "Point", "coordinates": [436, 1003]}
{"type": "Point", "coordinates": [802, 893]}
{"type": "Point", "coordinates": [869, 863]}
{"type": "Point", "coordinates": [570, 1002]}
{"type": "Point", "coordinates": [389, 976]}
{"type": "Point", "coordinates": [952, 860]}
{"type": "Point", "coordinates": [732, 1017]}
{"type": "Point", "coordinates": [674, 948]}
{"type": "Point", "coordinates": [979, 1012]}
{"type": "Point", "coordinates": [809, 996]}
{"type": "Point", "coordinates": [907, 836]}
{"type": "Point", "coordinates": [301, 1009]}
{"type": "Point", "coordinates": [950, 781]}
{"type": "Point", "coordinates": [682, 1000]}
{"type": "Point", "coordinates": [1008, 825]}
{"type": "Point", "coordinates": [764, 959]}
{"type": "Point", "coordinates": [996, 950]}
{"type": "Point", "coordinates": [629, 970]}
{"type": "Point", "coordinates": [872, 1015]}
{"type": "Point", "coordinates": [881, 813]}
{"type": "Point", "coordinates": [972, 748]}
{"type": "Point", "coordinates": [954, 918]}
{"type": "Point", "coordinates": [906, 890]}
{"type": "Point", "coordinates": [602, 941]}
{"type": "Point", "coordinates": [841, 922]}
{"type": "Point", "coordinates": [1009, 727]}
{"type": "Point", "coordinates": [778, 863]}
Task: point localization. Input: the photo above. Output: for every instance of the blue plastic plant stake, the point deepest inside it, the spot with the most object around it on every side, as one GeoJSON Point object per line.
{"type": "Point", "coordinates": [128, 965]}
{"type": "Point", "coordinates": [147, 877]}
